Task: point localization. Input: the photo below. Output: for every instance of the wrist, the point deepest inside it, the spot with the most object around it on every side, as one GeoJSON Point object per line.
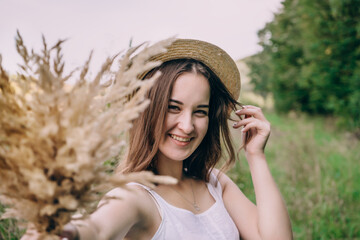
{"type": "Point", "coordinates": [251, 155]}
{"type": "Point", "coordinates": [255, 158]}
{"type": "Point", "coordinates": [257, 162]}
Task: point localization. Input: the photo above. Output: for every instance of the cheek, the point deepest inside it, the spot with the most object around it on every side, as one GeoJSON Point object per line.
{"type": "Point", "coordinates": [203, 127]}
{"type": "Point", "coordinates": [169, 122]}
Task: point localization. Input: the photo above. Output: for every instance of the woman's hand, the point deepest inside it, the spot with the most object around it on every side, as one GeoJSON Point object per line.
{"type": "Point", "coordinates": [271, 217]}
{"type": "Point", "coordinates": [256, 124]}
{"type": "Point", "coordinates": [31, 233]}
{"type": "Point", "coordinates": [69, 232]}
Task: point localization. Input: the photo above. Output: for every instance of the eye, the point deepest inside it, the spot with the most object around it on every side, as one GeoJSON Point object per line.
{"type": "Point", "coordinates": [173, 108]}
{"type": "Point", "coordinates": [201, 113]}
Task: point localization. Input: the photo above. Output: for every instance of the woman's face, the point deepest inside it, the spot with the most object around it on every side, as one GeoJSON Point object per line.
{"type": "Point", "coordinates": [187, 120]}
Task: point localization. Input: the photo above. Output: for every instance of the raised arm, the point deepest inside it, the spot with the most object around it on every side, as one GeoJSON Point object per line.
{"type": "Point", "coordinates": [269, 219]}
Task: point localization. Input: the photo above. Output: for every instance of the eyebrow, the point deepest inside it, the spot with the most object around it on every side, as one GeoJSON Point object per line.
{"type": "Point", "coordinates": [199, 106]}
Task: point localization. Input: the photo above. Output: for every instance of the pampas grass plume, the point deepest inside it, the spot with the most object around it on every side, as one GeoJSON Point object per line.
{"type": "Point", "coordinates": [54, 140]}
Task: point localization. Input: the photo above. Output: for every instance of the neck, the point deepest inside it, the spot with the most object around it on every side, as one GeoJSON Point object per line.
{"type": "Point", "coordinates": [171, 168]}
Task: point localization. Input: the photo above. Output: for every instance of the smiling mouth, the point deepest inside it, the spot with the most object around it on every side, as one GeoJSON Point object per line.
{"type": "Point", "coordinates": [180, 139]}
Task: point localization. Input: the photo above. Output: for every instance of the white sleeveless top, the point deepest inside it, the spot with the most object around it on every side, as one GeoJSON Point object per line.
{"type": "Point", "coordinates": [213, 224]}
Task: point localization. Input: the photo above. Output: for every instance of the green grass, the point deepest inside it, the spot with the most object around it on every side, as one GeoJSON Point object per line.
{"type": "Point", "coordinates": [317, 170]}
{"type": "Point", "coordinates": [8, 228]}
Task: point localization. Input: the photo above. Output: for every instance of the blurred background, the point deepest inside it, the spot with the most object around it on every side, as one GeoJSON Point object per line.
{"type": "Point", "coordinates": [307, 77]}
{"type": "Point", "coordinates": [299, 60]}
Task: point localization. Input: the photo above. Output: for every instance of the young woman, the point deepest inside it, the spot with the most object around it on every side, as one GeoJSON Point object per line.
{"type": "Point", "coordinates": [184, 133]}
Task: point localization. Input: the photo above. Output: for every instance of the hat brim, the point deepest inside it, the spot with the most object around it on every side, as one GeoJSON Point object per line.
{"type": "Point", "coordinates": [212, 56]}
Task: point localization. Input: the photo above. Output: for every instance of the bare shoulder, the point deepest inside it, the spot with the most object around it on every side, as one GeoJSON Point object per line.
{"type": "Point", "coordinates": [135, 197]}
{"type": "Point", "coordinates": [144, 201]}
{"type": "Point", "coordinates": [223, 179]}
{"type": "Point", "coordinates": [149, 216]}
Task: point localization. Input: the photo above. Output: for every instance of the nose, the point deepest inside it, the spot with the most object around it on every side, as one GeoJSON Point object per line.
{"type": "Point", "coordinates": [185, 123]}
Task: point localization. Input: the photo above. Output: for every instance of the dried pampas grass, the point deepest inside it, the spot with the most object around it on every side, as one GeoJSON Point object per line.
{"type": "Point", "coordinates": [54, 141]}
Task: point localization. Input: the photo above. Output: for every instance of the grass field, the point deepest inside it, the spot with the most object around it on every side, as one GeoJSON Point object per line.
{"type": "Point", "coordinates": [317, 170]}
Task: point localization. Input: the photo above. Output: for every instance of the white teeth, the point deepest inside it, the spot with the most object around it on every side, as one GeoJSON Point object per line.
{"type": "Point", "coordinates": [180, 138]}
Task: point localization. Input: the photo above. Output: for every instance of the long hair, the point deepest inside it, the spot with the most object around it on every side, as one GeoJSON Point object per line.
{"type": "Point", "coordinates": [145, 135]}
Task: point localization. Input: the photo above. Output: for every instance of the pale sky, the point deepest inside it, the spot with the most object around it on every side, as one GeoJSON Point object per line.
{"type": "Point", "coordinates": [107, 26]}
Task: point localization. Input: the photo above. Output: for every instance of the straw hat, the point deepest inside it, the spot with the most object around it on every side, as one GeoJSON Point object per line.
{"type": "Point", "coordinates": [212, 56]}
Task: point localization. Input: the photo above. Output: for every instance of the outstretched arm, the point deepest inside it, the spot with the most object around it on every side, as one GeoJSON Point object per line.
{"type": "Point", "coordinates": [269, 219]}
{"type": "Point", "coordinates": [112, 220]}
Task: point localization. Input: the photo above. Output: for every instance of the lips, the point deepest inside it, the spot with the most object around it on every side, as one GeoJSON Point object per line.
{"type": "Point", "coordinates": [180, 139]}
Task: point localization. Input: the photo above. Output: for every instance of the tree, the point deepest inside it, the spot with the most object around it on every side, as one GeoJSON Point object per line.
{"type": "Point", "coordinates": [311, 58]}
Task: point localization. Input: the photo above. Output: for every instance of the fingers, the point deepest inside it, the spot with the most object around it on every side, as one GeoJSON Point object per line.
{"type": "Point", "coordinates": [31, 233]}
{"type": "Point", "coordinates": [243, 122]}
{"type": "Point", "coordinates": [69, 232]}
{"type": "Point", "coordinates": [249, 126]}
{"type": "Point", "coordinates": [249, 123]}
{"type": "Point", "coordinates": [256, 112]}
{"type": "Point", "coordinates": [254, 119]}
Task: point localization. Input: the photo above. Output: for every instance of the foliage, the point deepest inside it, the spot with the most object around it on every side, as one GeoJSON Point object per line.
{"type": "Point", "coordinates": [311, 59]}
{"type": "Point", "coordinates": [317, 171]}
{"type": "Point", "coordinates": [53, 141]}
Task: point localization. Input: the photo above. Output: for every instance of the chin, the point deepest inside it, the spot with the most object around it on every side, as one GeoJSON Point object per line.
{"type": "Point", "coordinates": [175, 157]}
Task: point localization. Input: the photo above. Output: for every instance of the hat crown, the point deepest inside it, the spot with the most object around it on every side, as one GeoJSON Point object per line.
{"type": "Point", "coordinates": [209, 54]}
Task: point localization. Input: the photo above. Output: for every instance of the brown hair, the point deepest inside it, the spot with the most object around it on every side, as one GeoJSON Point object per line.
{"type": "Point", "coordinates": [147, 129]}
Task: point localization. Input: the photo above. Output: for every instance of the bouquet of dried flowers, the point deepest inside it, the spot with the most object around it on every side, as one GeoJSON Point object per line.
{"type": "Point", "coordinates": [54, 140]}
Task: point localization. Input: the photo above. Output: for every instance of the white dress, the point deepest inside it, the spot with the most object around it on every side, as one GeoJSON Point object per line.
{"type": "Point", "coordinates": [213, 224]}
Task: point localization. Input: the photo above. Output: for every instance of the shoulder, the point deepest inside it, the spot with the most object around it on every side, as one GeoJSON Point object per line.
{"type": "Point", "coordinates": [222, 178]}
{"type": "Point", "coordinates": [135, 197]}
{"type": "Point", "coordinates": [242, 211]}
{"type": "Point", "coordinates": [132, 202]}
